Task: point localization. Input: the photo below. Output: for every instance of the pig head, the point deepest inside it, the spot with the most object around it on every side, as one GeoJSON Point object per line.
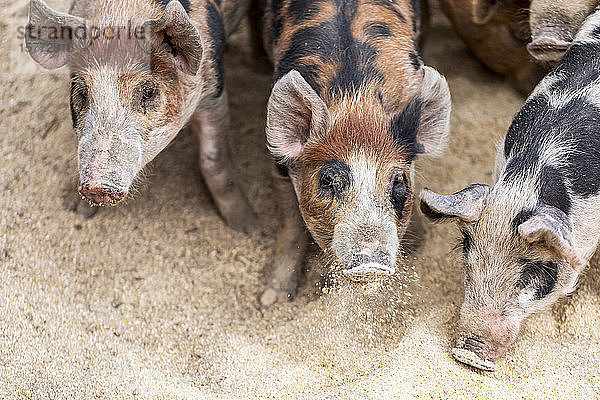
{"type": "Point", "coordinates": [554, 25]}
{"type": "Point", "coordinates": [518, 258]}
{"type": "Point", "coordinates": [131, 89]}
{"type": "Point", "coordinates": [352, 166]}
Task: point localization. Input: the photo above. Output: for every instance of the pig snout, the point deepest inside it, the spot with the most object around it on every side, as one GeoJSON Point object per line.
{"type": "Point", "coordinates": [370, 263]}
{"type": "Point", "coordinates": [549, 44]}
{"type": "Point", "coordinates": [473, 351]}
{"type": "Point", "coordinates": [101, 194]}
{"type": "Point", "coordinates": [481, 344]}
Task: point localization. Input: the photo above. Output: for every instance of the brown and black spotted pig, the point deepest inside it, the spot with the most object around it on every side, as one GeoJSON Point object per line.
{"type": "Point", "coordinates": [350, 109]}
{"type": "Point", "coordinates": [140, 71]}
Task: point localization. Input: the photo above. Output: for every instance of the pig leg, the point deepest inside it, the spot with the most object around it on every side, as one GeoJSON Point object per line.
{"type": "Point", "coordinates": [212, 127]}
{"type": "Point", "coordinates": [292, 242]}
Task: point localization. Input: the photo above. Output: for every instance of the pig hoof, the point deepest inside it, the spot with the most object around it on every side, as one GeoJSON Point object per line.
{"type": "Point", "coordinates": [271, 296]}
{"type": "Point", "coordinates": [83, 209]}
{"type": "Point", "coordinates": [470, 358]}
{"type": "Point", "coordinates": [242, 219]}
{"type": "Point", "coordinates": [247, 223]}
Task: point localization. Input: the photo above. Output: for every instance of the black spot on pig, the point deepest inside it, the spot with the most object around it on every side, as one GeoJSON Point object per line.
{"type": "Point", "coordinates": [78, 99]}
{"type": "Point", "coordinates": [314, 40]}
{"type": "Point", "coordinates": [527, 131]}
{"type": "Point", "coordinates": [523, 215]}
{"type": "Point", "coordinates": [467, 241]}
{"type": "Point", "coordinates": [355, 58]}
{"type": "Point", "coordinates": [404, 128]}
{"type": "Point", "coordinates": [399, 194]}
{"type": "Point", "coordinates": [595, 34]}
{"type": "Point", "coordinates": [357, 68]}
{"type": "Point", "coordinates": [278, 22]}
{"type": "Point", "coordinates": [580, 122]}
{"type": "Point", "coordinates": [519, 166]}
{"type": "Point", "coordinates": [185, 3]}
{"type": "Point", "coordinates": [415, 60]}
{"type": "Point", "coordinates": [539, 275]}
{"type": "Point", "coordinates": [282, 168]}
{"type": "Point", "coordinates": [217, 33]}
{"type": "Point", "coordinates": [334, 179]}
{"type": "Point", "coordinates": [377, 30]}
{"type": "Point", "coordinates": [348, 8]}
{"type": "Point", "coordinates": [579, 66]}
{"type": "Point", "coordinates": [303, 10]}
{"type": "Point", "coordinates": [416, 6]}
{"type": "Point", "coordinates": [553, 189]}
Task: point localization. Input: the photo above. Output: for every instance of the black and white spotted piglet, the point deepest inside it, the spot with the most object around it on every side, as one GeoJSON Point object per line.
{"type": "Point", "coordinates": [527, 238]}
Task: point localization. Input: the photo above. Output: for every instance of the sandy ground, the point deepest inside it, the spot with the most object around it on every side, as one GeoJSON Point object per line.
{"type": "Point", "coordinates": [158, 299]}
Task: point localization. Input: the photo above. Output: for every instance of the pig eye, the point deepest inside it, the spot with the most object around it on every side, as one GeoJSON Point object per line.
{"type": "Point", "coordinates": [148, 95]}
{"type": "Point", "coordinates": [399, 193]}
{"type": "Point", "coordinates": [79, 98]}
{"type": "Point", "coordinates": [79, 95]}
{"type": "Point", "coordinates": [334, 178]}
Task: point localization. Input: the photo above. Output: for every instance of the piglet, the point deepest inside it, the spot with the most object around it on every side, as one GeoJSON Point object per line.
{"type": "Point", "coordinates": [140, 71]}
{"type": "Point", "coordinates": [352, 106]}
{"type": "Point", "coordinates": [526, 239]}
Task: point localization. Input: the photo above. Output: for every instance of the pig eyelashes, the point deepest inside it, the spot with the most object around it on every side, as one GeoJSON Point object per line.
{"type": "Point", "coordinates": [79, 98]}
{"type": "Point", "coordinates": [334, 179]}
{"type": "Point", "coordinates": [399, 193]}
{"type": "Point", "coordinates": [146, 96]}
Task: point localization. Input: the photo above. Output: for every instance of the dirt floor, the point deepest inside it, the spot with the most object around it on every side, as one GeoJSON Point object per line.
{"type": "Point", "coordinates": [156, 298]}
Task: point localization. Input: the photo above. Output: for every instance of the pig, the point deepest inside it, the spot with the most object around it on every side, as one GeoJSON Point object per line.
{"type": "Point", "coordinates": [351, 107]}
{"type": "Point", "coordinates": [140, 71]}
{"type": "Point", "coordinates": [526, 239]}
{"type": "Point", "coordinates": [553, 26]}
{"type": "Point", "coordinates": [497, 32]}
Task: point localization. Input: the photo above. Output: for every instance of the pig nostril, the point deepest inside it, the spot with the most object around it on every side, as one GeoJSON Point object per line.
{"type": "Point", "coordinates": [473, 344]}
{"type": "Point", "coordinates": [101, 195]}
{"type": "Point", "coordinates": [472, 351]}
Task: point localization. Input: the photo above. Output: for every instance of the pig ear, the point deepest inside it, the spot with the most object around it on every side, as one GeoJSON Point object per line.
{"type": "Point", "coordinates": [465, 205]}
{"type": "Point", "coordinates": [295, 113]}
{"type": "Point", "coordinates": [435, 105]}
{"type": "Point", "coordinates": [484, 10]}
{"type": "Point", "coordinates": [51, 35]}
{"type": "Point", "coordinates": [550, 226]}
{"type": "Point", "coordinates": [175, 32]}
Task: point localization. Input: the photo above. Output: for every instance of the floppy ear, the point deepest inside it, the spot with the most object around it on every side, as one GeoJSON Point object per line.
{"type": "Point", "coordinates": [423, 126]}
{"type": "Point", "coordinates": [551, 227]}
{"type": "Point", "coordinates": [295, 113]}
{"type": "Point", "coordinates": [175, 33]}
{"type": "Point", "coordinates": [435, 106]}
{"type": "Point", "coordinates": [51, 35]}
{"type": "Point", "coordinates": [465, 205]}
{"type": "Point", "coordinates": [484, 10]}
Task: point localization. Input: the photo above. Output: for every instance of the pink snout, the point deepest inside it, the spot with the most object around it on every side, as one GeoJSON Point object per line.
{"type": "Point", "coordinates": [548, 48]}
{"type": "Point", "coordinates": [100, 194]}
{"type": "Point", "coordinates": [482, 344]}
